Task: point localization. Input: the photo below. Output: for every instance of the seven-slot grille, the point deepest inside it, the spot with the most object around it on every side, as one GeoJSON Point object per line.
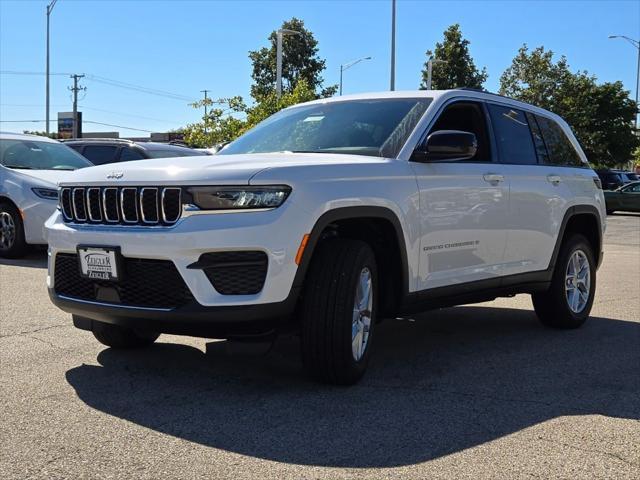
{"type": "Point", "coordinates": [121, 205]}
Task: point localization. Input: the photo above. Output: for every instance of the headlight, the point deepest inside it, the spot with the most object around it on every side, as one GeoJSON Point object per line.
{"type": "Point", "coordinates": [238, 198]}
{"type": "Point", "coordinates": [46, 193]}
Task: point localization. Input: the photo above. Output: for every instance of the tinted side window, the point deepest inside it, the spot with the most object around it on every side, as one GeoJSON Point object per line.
{"type": "Point", "coordinates": [538, 141]}
{"type": "Point", "coordinates": [468, 117]}
{"type": "Point", "coordinates": [513, 136]}
{"type": "Point", "coordinates": [100, 154]}
{"type": "Point", "coordinates": [127, 154]}
{"type": "Point", "coordinates": [561, 151]}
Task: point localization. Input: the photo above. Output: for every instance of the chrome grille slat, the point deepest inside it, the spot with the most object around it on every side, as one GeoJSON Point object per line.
{"type": "Point", "coordinates": [127, 204]}
{"type": "Point", "coordinates": [149, 216]}
{"type": "Point", "coordinates": [66, 205]}
{"type": "Point", "coordinates": [166, 192]}
{"type": "Point", "coordinates": [131, 205]}
{"type": "Point", "coordinates": [77, 203]}
{"type": "Point", "coordinates": [90, 205]}
{"type": "Point", "coordinates": [106, 204]}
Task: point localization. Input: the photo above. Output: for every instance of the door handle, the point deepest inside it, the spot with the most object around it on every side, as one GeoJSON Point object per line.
{"type": "Point", "coordinates": [555, 179]}
{"type": "Point", "coordinates": [493, 177]}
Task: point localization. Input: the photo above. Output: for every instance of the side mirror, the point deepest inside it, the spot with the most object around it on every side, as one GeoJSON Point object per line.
{"type": "Point", "coordinates": [447, 145]}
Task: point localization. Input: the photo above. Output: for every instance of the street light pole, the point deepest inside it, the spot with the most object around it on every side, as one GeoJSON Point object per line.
{"type": "Point", "coordinates": [279, 34]}
{"type": "Point", "coordinates": [349, 65]}
{"type": "Point", "coordinates": [49, 10]}
{"type": "Point", "coordinates": [392, 82]}
{"type": "Point", "coordinates": [430, 70]}
{"type": "Point", "coordinates": [636, 44]}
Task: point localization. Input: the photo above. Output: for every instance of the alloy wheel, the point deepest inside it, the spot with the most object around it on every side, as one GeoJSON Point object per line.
{"type": "Point", "coordinates": [7, 230]}
{"type": "Point", "coordinates": [362, 308]}
{"type": "Point", "coordinates": [577, 281]}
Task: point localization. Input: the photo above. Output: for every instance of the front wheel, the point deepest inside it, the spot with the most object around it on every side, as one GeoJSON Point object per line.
{"type": "Point", "coordinates": [339, 308]}
{"type": "Point", "coordinates": [568, 301]}
{"type": "Point", "coordinates": [12, 242]}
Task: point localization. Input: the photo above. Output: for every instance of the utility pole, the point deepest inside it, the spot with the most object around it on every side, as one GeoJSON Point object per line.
{"type": "Point", "coordinates": [279, 34]}
{"type": "Point", "coordinates": [75, 89]}
{"type": "Point", "coordinates": [392, 85]}
{"type": "Point", "coordinates": [49, 10]}
{"type": "Point", "coordinates": [205, 109]}
{"type": "Point", "coordinates": [636, 44]}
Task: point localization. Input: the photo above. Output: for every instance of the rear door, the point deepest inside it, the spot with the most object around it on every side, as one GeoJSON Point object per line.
{"type": "Point", "coordinates": [537, 196]}
{"type": "Point", "coordinates": [463, 205]}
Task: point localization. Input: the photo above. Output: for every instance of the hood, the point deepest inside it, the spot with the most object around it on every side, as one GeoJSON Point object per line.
{"type": "Point", "coordinates": [52, 177]}
{"type": "Point", "coordinates": [218, 169]}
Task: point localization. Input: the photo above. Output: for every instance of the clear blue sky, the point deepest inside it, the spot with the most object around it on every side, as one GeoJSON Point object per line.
{"type": "Point", "coordinates": [186, 46]}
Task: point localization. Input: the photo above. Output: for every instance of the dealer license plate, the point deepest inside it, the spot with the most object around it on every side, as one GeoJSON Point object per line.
{"type": "Point", "coordinates": [99, 263]}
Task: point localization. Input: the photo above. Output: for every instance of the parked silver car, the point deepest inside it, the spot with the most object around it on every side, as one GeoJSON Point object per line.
{"type": "Point", "coordinates": [30, 169]}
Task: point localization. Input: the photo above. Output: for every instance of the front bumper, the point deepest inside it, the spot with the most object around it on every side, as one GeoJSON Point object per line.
{"type": "Point", "coordinates": [277, 233]}
{"type": "Point", "coordinates": [193, 319]}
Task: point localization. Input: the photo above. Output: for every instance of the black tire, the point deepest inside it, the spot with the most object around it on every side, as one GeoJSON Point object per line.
{"type": "Point", "coordinates": [328, 310]}
{"type": "Point", "coordinates": [16, 246]}
{"type": "Point", "coordinates": [116, 336]}
{"type": "Point", "coordinates": [552, 307]}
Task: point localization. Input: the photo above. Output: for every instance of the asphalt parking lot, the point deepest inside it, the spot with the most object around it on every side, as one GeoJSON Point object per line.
{"type": "Point", "coordinates": [479, 391]}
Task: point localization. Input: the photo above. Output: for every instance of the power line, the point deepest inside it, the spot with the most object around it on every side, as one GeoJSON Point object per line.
{"type": "Point", "coordinates": [113, 83]}
{"type": "Point", "coordinates": [139, 88]}
{"type": "Point", "coordinates": [118, 126]}
{"type": "Point", "coordinates": [84, 121]}
{"type": "Point", "coordinates": [16, 72]}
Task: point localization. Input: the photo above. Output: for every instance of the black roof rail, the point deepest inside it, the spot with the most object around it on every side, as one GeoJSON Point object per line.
{"type": "Point", "coordinates": [481, 90]}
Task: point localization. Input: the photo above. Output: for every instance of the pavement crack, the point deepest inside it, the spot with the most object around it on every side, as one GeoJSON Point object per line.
{"type": "Point", "coordinates": [589, 450]}
{"type": "Point", "coordinates": [29, 332]}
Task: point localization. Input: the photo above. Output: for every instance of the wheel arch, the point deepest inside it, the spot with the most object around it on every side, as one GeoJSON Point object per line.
{"type": "Point", "coordinates": [585, 220]}
{"type": "Point", "coordinates": [378, 226]}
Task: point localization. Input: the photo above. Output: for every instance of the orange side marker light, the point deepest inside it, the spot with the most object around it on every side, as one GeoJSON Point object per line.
{"type": "Point", "coordinates": [303, 245]}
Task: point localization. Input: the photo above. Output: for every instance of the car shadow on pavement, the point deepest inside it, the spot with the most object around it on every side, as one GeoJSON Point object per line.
{"type": "Point", "coordinates": [34, 259]}
{"type": "Point", "coordinates": [461, 377]}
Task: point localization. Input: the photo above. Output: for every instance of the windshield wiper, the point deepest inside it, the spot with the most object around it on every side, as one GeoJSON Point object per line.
{"type": "Point", "coordinates": [20, 167]}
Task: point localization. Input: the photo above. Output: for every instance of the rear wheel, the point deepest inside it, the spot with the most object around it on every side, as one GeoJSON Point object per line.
{"type": "Point", "coordinates": [339, 309]}
{"type": "Point", "coordinates": [12, 243]}
{"type": "Point", "coordinates": [568, 301]}
{"type": "Point", "coordinates": [121, 337]}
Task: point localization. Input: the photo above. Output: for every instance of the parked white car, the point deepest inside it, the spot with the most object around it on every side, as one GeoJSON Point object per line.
{"type": "Point", "coordinates": [329, 216]}
{"type": "Point", "coordinates": [30, 169]}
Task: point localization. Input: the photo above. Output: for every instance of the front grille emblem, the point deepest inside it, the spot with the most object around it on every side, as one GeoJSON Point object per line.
{"type": "Point", "coordinates": [115, 175]}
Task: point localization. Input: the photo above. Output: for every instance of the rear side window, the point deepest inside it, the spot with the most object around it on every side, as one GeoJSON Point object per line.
{"type": "Point", "coordinates": [513, 136]}
{"type": "Point", "coordinates": [538, 141]}
{"type": "Point", "coordinates": [128, 154]}
{"type": "Point", "coordinates": [560, 148]}
{"type": "Point", "coordinates": [100, 154]}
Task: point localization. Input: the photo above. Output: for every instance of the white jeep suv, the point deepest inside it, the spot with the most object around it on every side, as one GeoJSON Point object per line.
{"type": "Point", "coordinates": [330, 216]}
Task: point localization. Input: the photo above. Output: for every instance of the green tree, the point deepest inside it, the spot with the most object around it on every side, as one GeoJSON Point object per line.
{"type": "Point", "coordinates": [601, 115]}
{"type": "Point", "coordinates": [41, 134]}
{"type": "Point", "coordinates": [459, 69]}
{"type": "Point", "coordinates": [223, 123]}
{"type": "Point", "coordinates": [300, 61]}
{"type": "Point", "coordinates": [271, 104]}
{"type": "Point", "coordinates": [228, 118]}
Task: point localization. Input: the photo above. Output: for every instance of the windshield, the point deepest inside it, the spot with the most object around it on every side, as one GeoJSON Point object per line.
{"type": "Point", "coordinates": [34, 155]}
{"type": "Point", "coordinates": [377, 127]}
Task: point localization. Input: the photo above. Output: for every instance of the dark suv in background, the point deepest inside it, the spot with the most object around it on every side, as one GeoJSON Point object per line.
{"type": "Point", "coordinates": [110, 150]}
{"type": "Point", "coordinates": [613, 179]}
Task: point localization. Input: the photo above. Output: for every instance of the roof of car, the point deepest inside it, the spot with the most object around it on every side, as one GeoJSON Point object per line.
{"type": "Point", "coordinates": [435, 95]}
{"type": "Point", "coordinates": [123, 141]}
{"type": "Point", "coordinates": [25, 136]}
